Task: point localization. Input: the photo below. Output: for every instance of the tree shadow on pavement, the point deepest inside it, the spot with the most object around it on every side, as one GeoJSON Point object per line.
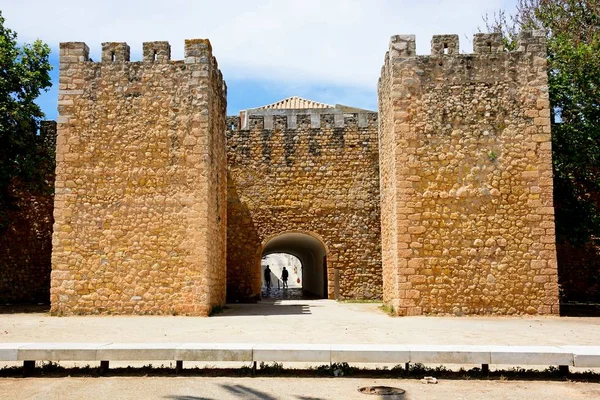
{"type": "Point", "coordinates": [245, 392]}
{"type": "Point", "coordinates": [188, 398]}
{"type": "Point", "coordinates": [308, 398]}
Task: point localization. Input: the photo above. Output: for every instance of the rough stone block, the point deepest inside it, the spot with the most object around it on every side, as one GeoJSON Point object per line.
{"type": "Point", "coordinates": [156, 51]}
{"type": "Point", "coordinates": [115, 52]}
{"type": "Point", "coordinates": [402, 46]}
{"type": "Point", "coordinates": [74, 52]}
{"type": "Point", "coordinates": [486, 43]}
{"type": "Point", "coordinates": [199, 50]}
{"type": "Point", "coordinates": [444, 44]}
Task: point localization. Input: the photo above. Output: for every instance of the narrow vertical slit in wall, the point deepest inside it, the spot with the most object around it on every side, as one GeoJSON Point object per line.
{"type": "Point", "coordinates": [155, 56]}
{"type": "Point", "coordinates": [112, 57]}
{"type": "Point", "coordinates": [445, 48]}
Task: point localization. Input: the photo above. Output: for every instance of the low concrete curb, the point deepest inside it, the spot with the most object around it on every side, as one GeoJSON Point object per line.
{"type": "Point", "coordinates": [563, 356]}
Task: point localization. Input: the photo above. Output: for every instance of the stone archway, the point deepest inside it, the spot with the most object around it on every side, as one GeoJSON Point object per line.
{"type": "Point", "coordinates": [312, 253]}
{"type": "Point", "coordinates": [304, 171]}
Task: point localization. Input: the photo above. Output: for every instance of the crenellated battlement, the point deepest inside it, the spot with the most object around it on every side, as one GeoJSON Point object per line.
{"type": "Point", "coordinates": [403, 46]}
{"type": "Point", "coordinates": [156, 51]}
{"type": "Point", "coordinates": [196, 51]}
{"type": "Point", "coordinates": [489, 62]}
{"type": "Point", "coordinates": [117, 52]}
{"type": "Point", "coordinates": [156, 66]}
{"type": "Point", "coordinates": [302, 120]}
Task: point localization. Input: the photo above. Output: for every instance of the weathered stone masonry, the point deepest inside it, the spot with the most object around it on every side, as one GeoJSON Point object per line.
{"type": "Point", "coordinates": [311, 171]}
{"type": "Point", "coordinates": [466, 178]}
{"type": "Point", "coordinates": [443, 204]}
{"type": "Point", "coordinates": [140, 208]}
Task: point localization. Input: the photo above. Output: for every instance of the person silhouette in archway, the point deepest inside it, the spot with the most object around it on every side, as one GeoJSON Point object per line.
{"type": "Point", "coordinates": [284, 277]}
{"type": "Point", "coordinates": [268, 277]}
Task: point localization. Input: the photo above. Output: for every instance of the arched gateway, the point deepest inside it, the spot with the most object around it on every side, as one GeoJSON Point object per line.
{"type": "Point", "coordinates": [310, 250]}
{"type": "Point", "coordinates": [303, 178]}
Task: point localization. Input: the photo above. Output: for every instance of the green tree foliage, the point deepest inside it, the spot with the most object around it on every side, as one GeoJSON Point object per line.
{"type": "Point", "coordinates": [24, 73]}
{"type": "Point", "coordinates": [573, 32]}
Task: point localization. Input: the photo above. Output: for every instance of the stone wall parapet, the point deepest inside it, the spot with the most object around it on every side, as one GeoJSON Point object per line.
{"type": "Point", "coordinates": [292, 119]}
{"type": "Point", "coordinates": [404, 46]}
{"type": "Point", "coordinates": [196, 51]}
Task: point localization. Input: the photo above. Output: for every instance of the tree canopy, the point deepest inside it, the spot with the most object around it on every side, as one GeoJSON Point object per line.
{"type": "Point", "coordinates": [573, 33]}
{"type": "Point", "coordinates": [24, 74]}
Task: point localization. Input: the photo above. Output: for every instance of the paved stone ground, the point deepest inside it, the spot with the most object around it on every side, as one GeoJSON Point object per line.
{"type": "Point", "coordinates": [313, 321]}
{"type": "Point", "coordinates": [120, 388]}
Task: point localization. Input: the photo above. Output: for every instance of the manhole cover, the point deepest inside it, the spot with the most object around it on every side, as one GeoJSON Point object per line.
{"type": "Point", "coordinates": [386, 392]}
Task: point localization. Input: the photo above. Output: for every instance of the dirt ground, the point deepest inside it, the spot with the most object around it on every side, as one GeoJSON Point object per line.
{"type": "Point", "coordinates": [227, 388]}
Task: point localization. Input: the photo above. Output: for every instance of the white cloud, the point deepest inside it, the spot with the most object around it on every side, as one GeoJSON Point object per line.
{"type": "Point", "coordinates": [341, 42]}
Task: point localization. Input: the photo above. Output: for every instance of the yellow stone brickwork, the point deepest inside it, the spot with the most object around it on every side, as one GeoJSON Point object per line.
{"type": "Point", "coordinates": [140, 207]}
{"type": "Point", "coordinates": [443, 204]}
{"type": "Point", "coordinates": [317, 174]}
{"type": "Point", "coordinates": [466, 175]}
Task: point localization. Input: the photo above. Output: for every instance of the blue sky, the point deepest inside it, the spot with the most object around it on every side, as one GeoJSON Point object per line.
{"type": "Point", "coordinates": [329, 51]}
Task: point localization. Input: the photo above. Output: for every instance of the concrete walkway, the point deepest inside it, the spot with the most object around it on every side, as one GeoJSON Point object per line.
{"type": "Point", "coordinates": [302, 321]}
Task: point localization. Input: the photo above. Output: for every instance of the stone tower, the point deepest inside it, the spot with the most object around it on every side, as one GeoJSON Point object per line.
{"type": "Point", "coordinates": [140, 208]}
{"type": "Point", "coordinates": [466, 178]}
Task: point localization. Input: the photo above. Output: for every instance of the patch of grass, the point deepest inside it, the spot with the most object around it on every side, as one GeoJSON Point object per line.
{"type": "Point", "coordinates": [389, 310]}
{"type": "Point", "coordinates": [7, 371]}
{"type": "Point", "coordinates": [402, 371]}
{"type": "Point", "coordinates": [335, 369]}
{"type": "Point", "coordinates": [350, 301]}
{"type": "Point", "coordinates": [49, 367]}
{"type": "Point", "coordinates": [246, 370]}
{"type": "Point", "coordinates": [271, 369]}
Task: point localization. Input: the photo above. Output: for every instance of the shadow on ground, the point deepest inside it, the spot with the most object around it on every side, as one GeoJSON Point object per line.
{"type": "Point", "coordinates": [287, 294]}
{"type": "Point", "coordinates": [579, 310]}
{"type": "Point", "coordinates": [272, 303]}
{"type": "Point", "coordinates": [264, 308]}
{"type": "Point", "coordinates": [188, 398]}
{"type": "Point", "coordinates": [335, 370]}
{"type": "Point", "coordinates": [241, 391]}
{"type": "Point", "coordinates": [24, 308]}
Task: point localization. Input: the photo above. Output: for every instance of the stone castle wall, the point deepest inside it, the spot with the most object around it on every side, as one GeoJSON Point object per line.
{"type": "Point", "coordinates": [140, 218]}
{"type": "Point", "coordinates": [307, 171]}
{"type": "Point", "coordinates": [443, 204]}
{"type": "Point", "coordinates": [26, 230]}
{"type": "Point", "coordinates": [467, 213]}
